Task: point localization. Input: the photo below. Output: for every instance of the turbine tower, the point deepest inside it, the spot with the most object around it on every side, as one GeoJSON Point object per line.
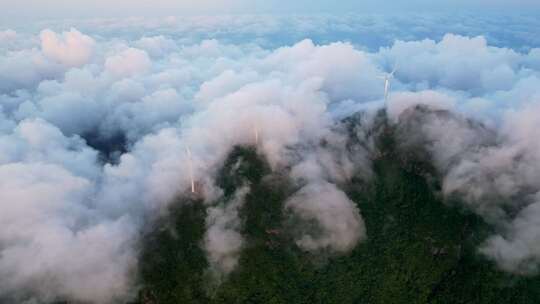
{"type": "Point", "coordinates": [256, 132]}
{"type": "Point", "coordinates": [387, 78]}
{"type": "Point", "coordinates": [190, 168]}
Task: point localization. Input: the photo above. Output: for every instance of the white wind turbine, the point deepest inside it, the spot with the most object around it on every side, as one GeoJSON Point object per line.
{"type": "Point", "coordinates": [190, 168]}
{"type": "Point", "coordinates": [387, 78]}
{"type": "Point", "coordinates": [256, 133]}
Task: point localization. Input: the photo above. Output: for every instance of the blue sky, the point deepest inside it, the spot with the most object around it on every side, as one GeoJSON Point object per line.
{"type": "Point", "coordinates": [62, 9]}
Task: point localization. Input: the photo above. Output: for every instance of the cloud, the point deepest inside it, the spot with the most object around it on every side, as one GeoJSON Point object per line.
{"type": "Point", "coordinates": [72, 48]}
{"type": "Point", "coordinates": [37, 141]}
{"type": "Point", "coordinates": [156, 46]}
{"type": "Point", "coordinates": [7, 36]}
{"type": "Point", "coordinates": [402, 101]}
{"type": "Point", "coordinates": [347, 76]}
{"type": "Point", "coordinates": [517, 248]}
{"type": "Point", "coordinates": [128, 63]}
{"type": "Point", "coordinates": [368, 31]}
{"type": "Point", "coordinates": [339, 224]}
{"type": "Point", "coordinates": [53, 244]}
{"type": "Point", "coordinates": [457, 63]}
{"type": "Point", "coordinates": [223, 241]}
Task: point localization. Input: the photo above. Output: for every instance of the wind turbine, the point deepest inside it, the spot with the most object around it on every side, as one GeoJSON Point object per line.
{"type": "Point", "coordinates": [256, 132]}
{"type": "Point", "coordinates": [190, 168]}
{"type": "Point", "coordinates": [387, 78]}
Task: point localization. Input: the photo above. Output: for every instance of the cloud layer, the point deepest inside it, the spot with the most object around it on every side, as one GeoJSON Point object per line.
{"type": "Point", "coordinates": [66, 95]}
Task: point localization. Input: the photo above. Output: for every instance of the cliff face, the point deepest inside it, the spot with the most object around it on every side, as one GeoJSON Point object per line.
{"type": "Point", "coordinates": [419, 249]}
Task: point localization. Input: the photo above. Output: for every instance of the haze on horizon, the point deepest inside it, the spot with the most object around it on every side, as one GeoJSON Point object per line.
{"type": "Point", "coordinates": [36, 10]}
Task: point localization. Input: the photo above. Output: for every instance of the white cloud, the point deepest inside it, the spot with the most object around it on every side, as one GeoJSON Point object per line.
{"type": "Point", "coordinates": [54, 245]}
{"type": "Point", "coordinates": [72, 48]}
{"type": "Point", "coordinates": [223, 241]}
{"type": "Point", "coordinates": [128, 63]}
{"type": "Point", "coordinates": [401, 101]}
{"type": "Point", "coordinates": [7, 36]}
{"type": "Point", "coordinates": [156, 46]}
{"type": "Point", "coordinates": [341, 226]}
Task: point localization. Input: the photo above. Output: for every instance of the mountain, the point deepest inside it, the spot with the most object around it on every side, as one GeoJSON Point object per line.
{"type": "Point", "coordinates": [420, 248]}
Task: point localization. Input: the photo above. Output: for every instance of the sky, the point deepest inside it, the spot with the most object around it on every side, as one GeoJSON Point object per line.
{"type": "Point", "coordinates": [65, 9]}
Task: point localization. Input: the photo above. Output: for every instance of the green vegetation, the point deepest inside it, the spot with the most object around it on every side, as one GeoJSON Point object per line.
{"type": "Point", "coordinates": [418, 250]}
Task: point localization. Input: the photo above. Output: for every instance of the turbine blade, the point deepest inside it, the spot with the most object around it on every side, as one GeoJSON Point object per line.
{"type": "Point", "coordinates": [394, 70]}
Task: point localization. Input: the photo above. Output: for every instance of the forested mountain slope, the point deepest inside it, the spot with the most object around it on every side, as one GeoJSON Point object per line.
{"type": "Point", "coordinates": [419, 249]}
